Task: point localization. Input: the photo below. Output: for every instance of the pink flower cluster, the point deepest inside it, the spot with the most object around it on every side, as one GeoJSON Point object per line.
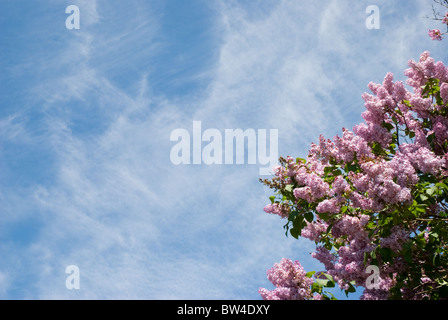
{"type": "Point", "coordinates": [420, 72]}
{"type": "Point", "coordinates": [347, 264]}
{"type": "Point", "coordinates": [435, 34]}
{"type": "Point", "coordinates": [396, 239]}
{"type": "Point", "coordinates": [384, 181]}
{"type": "Point", "coordinates": [278, 209]}
{"type": "Point", "coordinates": [314, 230]}
{"type": "Point", "coordinates": [290, 281]}
{"type": "Point", "coordinates": [341, 149]}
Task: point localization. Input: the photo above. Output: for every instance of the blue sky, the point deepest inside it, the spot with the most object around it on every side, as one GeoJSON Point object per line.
{"type": "Point", "coordinates": [86, 115]}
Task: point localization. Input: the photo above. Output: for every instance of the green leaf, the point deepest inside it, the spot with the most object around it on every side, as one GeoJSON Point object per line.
{"type": "Point", "coordinates": [426, 89]}
{"type": "Point", "coordinates": [293, 215]}
{"type": "Point", "coordinates": [309, 216]}
{"type": "Point", "coordinates": [443, 292]}
{"type": "Point", "coordinates": [376, 148]}
{"type": "Point", "coordinates": [407, 103]}
{"type": "Point", "coordinates": [298, 225]}
{"type": "Point", "coordinates": [436, 260]}
{"type": "Point", "coordinates": [332, 161]}
{"type": "Point", "coordinates": [352, 283]}
{"type": "Point", "coordinates": [431, 138]}
{"type": "Point", "coordinates": [327, 170]}
{"type": "Point", "coordinates": [420, 208]}
{"type": "Point", "coordinates": [350, 289]}
{"type": "Point", "coordinates": [322, 282]}
{"type": "Point", "coordinates": [310, 274]}
{"type": "Point", "coordinates": [388, 126]}
{"type": "Point", "coordinates": [295, 232]}
{"type": "Point", "coordinates": [431, 190]}
{"type": "Point", "coordinates": [442, 185]}
{"type": "Point", "coordinates": [328, 296]}
{"type": "Point", "coordinates": [386, 254]}
{"type": "Point", "coordinates": [298, 222]}
{"type": "Point", "coordinates": [337, 172]}
{"type": "Point", "coordinates": [324, 215]}
{"type": "Point", "coordinates": [366, 256]}
{"type": "Point", "coordinates": [315, 287]}
{"type": "Point", "coordinates": [407, 252]}
{"type": "Point", "coordinates": [329, 277]}
{"type": "Point", "coordinates": [373, 254]}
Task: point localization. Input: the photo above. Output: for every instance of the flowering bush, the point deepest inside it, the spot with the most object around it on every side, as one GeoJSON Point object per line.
{"type": "Point", "coordinates": [375, 196]}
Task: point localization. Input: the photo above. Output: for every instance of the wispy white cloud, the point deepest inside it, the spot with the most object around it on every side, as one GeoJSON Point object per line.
{"type": "Point", "coordinates": [135, 224]}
